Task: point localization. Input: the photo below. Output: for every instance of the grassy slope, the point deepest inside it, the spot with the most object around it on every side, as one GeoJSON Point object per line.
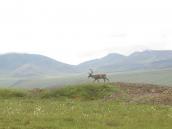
{"type": "Point", "coordinates": [160, 77]}
{"type": "Point", "coordinates": [79, 92]}
{"type": "Point", "coordinates": [79, 107]}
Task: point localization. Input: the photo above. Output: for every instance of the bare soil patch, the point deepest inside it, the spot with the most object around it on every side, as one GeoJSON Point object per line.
{"type": "Point", "coordinates": [143, 93]}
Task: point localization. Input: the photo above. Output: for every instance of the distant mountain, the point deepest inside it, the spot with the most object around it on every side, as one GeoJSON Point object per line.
{"type": "Point", "coordinates": [15, 64]}
{"type": "Point", "coordinates": [152, 59]}
{"type": "Point", "coordinates": [28, 65]}
{"type": "Point", "coordinates": [97, 64]}
{"type": "Point", "coordinates": [32, 70]}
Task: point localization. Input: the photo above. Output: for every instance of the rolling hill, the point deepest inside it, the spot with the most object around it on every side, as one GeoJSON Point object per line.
{"type": "Point", "coordinates": [31, 70]}
{"type": "Point", "coordinates": [145, 60]}
{"type": "Point", "coordinates": [28, 65]}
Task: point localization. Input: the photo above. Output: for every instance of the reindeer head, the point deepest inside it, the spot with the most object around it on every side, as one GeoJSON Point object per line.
{"type": "Point", "coordinates": [91, 73]}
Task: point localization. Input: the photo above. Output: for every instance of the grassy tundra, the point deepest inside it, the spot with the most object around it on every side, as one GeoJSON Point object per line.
{"type": "Point", "coordinates": [86, 106]}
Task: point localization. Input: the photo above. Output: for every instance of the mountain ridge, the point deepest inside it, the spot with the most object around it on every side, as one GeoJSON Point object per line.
{"type": "Point", "coordinates": [16, 63]}
{"type": "Point", "coordinates": [138, 60]}
{"type": "Point", "coordinates": [23, 64]}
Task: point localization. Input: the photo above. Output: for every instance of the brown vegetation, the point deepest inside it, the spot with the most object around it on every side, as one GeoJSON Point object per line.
{"type": "Point", "coordinates": [143, 93]}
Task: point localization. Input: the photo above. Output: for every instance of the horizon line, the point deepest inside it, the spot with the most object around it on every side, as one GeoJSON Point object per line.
{"type": "Point", "coordinates": [137, 51]}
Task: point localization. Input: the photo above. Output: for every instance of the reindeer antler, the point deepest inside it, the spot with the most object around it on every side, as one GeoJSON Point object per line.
{"type": "Point", "coordinates": [91, 70]}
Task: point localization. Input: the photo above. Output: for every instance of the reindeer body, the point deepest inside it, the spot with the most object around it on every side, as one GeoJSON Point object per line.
{"type": "Point", "coordinates": [97, 77]}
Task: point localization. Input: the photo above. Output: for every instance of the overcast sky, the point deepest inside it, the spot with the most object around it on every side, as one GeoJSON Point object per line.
{"type": "Point", "coordinates": [73, 31]}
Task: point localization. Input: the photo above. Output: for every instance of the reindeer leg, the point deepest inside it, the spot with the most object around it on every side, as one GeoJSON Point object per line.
{"type": "Point", "coordinates": [107, 79]}
{"type": "Point", "coordinates": [104, 80]}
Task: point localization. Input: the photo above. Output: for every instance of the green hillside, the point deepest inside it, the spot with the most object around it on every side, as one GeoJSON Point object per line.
{"type": "Point", "coordinates": [160, 77]}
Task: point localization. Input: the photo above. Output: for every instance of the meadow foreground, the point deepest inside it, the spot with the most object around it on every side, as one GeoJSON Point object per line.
{"type": "Point", "coordinates": [80, 107]}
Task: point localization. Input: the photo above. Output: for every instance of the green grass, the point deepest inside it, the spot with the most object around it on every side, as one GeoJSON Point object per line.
{"type": "Point", "coordinates": [78, 107]}
{"type": "Point", "coordinates": [12, 93]}
{"type": "Point", "coordinates": [72, 114]}
{"type": "Point", "coordinates": [81, 92]}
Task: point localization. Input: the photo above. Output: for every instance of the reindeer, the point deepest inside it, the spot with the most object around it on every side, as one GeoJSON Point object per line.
{"type": "Point", "coordinates": [97, 77]}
